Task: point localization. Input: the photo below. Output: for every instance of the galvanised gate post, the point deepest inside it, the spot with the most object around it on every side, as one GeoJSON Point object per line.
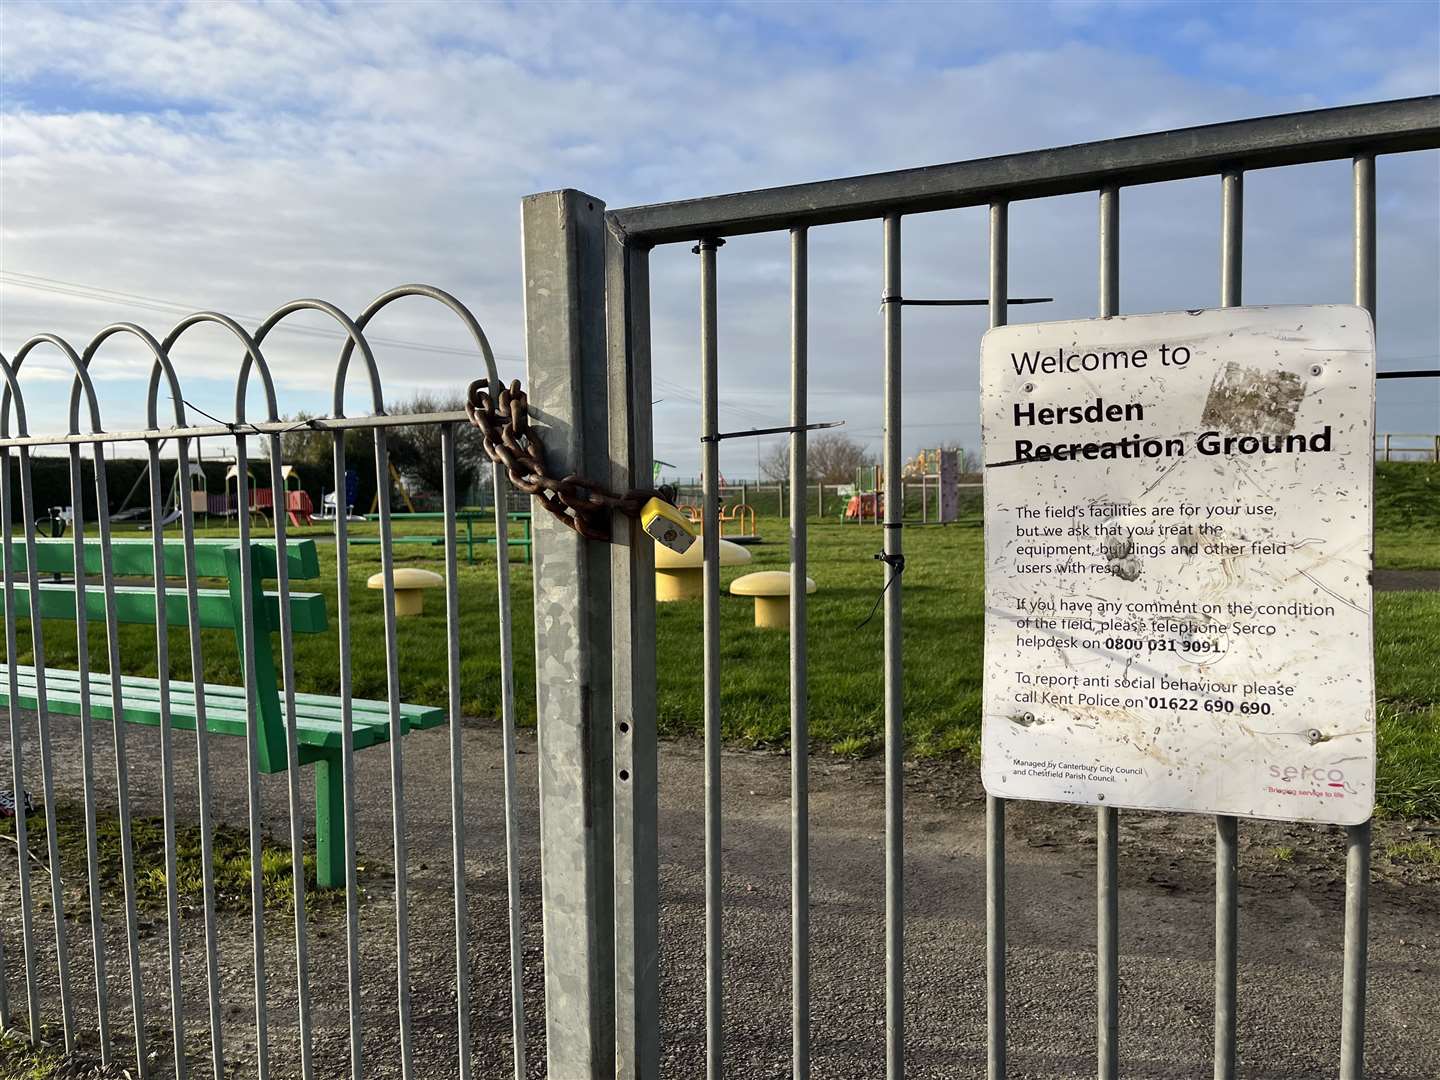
{"type": "Point", "coordinates": [564, 266]}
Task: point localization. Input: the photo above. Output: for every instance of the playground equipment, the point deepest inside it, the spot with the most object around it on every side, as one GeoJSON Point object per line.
{"type": "Point", "coordinates": [198, 494]}
{"type": "Point", "coordinates": [771, 590]}
{"type": "Point", "coordinates": [937, 470]}
{"type": "Point", "coordinates": [681, 576]}
{"type": "Point", "coordinates": [740, 515]}
{"type": "Point", "coordinates": [260, 499]}
{"type": "Point", "coordinates": [410, 585]}
{"type": "Point", "coordinates": [869, 495]}
{"type": "Point", "coordinates": [298, 507]}
{"type": "Point", "coordinates": [400, 487]}
{"type": "Point", "coordinates": [199, 490]}
{"type": "Point", "coordinates": [329, 504]}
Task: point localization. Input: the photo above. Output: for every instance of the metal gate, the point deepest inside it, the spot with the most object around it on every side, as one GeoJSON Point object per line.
{"type": "Point", "coordinates": [92, 980]}
{"type": "Point", "coordinates": [588, 325]}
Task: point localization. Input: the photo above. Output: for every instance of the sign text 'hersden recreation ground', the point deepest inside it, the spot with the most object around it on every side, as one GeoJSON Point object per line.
{"type": "Point", "coordinates": [1178, 549]}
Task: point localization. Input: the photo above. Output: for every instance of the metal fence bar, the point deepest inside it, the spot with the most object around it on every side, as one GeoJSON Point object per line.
{"type": "Point", "coordinates": [47, 765]}
{"type": "Point", "coordinates": [249, 646]}
{"type": "Point", "coordinates": [894, 671]}
{"type": "Point", "coordinates": [347, 759]}
{"type": "Point", "coordinates": [1357, 837]}
{"type": "Point", "coordinates": [122, 765]}
{"type": "Point", "coordinates": [1107, 819]}
{"type": "Point", "coordinates": [167, 761]}
{"type": "Point", "coordinates": [463, 1048]}
{"type": "Point", "coordinates": [17, 759]}
{"type": "Point", "coordinates": [249, 427]}
{"type": "Point", "coordinates": [995, 1038]}
{"type": "Point", "coordinates": [1232, 217]}
{"type": "Point", "coordinates": [397, 763]}
{"type": "Point", "coordinates": [87, 758]}
{"type": "Point", "coordinates": [202, 762]}
{"type": "Point", "coordinates": [799, 692]}
{"type": "Point", "coordinates": [47, 769]}
{"type": "Point", "coordinates": [710, 536]}
{"type": "Point", "coordinates": [632, 628]}
{"type": "Point", "coordinates": [292, 752]}
{"type": "Point", "coordinates": [1265, 142]}
{"type": "Point", "coordinates": [500, 487]}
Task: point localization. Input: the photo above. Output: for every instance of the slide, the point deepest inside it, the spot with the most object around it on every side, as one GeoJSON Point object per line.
{"type": "Point", "coordinates": [173, 515]}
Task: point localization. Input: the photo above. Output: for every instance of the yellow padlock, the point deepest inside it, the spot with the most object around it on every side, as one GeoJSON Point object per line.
{"type": "Point", "coordinates": [666, 525]}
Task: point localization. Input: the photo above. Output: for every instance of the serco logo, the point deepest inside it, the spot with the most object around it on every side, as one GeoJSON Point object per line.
{"type": "Point", "coordinates": [1318, 776]}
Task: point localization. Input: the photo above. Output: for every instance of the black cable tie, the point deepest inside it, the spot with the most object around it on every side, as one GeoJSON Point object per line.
{"type": "Point", "coordinates": [895, 562]}
{"type": "Point", "coordinates": [229, 425]}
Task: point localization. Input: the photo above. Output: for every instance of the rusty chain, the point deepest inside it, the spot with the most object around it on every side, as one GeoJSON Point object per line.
{"type": "Point", "coordinates": [580, 503]}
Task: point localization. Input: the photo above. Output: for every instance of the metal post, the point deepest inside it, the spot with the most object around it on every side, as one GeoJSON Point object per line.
{"type": "Point", "coordinates": [994, 807]}
{"type": "Point", "coordinates": [894, 675]}
{"type": "Point", "coordinates": [632, 623]}
{"type": "Point", "coordinates": [1107, 887]}
{"type": "Point", "coordinates": [799, 694]}
{"type": "Point", "coordinates": [1227, 899]}
{"type": "Point", "coordinates": [563, 235]}
{"type": "Point", "coordinates": [710, 507]}
{"type": "Point", "coordinates": [1357, 837]}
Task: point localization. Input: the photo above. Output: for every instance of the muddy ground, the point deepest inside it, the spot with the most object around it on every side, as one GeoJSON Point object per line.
{"type": "Point", "coordinates": [1292, 894]}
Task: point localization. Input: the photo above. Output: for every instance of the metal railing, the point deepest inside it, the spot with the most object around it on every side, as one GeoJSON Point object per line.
{"type": "Point", "coordinates": [1398, 446]}
{"type": "Point", "coordinates": [606, 276]}
{"type": "Point", "coordinates": [344, 989]}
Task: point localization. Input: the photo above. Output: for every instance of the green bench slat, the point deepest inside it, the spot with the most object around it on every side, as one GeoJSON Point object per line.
{"type": "Point", "coordinates": [363, 711]}
{"type": "Point", "coordinates": [433, 541]}
{"type": "Point", "coordinates": [220, 719]}
{"type": "Point", "coordinates": [136, 558]}
{"type": "Point", "coordinates": [136, 604]}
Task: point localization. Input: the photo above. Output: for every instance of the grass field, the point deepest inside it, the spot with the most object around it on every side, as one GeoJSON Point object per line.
{"type": "Point", "coordinates": [942, 648]}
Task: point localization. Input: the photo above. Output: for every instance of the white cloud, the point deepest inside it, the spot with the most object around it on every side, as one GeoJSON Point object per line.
{"type": "Point", "coordinates": [236, 156]}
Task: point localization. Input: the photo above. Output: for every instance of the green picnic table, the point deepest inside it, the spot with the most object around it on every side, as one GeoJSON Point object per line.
{"type": "Point", "coordinates": [469, 517]}
{"type": "Point", "coordinates": [318, 717]}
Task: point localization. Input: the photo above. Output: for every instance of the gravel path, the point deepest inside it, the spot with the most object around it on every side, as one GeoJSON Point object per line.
{"type": "Point", "coordinates": [1290, 926]}
{"type": "Point", "coordinates": [1407, 580]}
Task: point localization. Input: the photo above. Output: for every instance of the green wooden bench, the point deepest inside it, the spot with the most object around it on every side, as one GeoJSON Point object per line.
{"type": "Point", "coordinates": [318, 723]}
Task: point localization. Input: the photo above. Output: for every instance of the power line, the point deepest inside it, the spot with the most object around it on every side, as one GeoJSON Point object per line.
{"type": "Point", "coordinates": [97, 294]}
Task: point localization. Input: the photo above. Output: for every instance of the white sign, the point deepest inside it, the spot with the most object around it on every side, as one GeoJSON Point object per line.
{"type": "Point", "coordinates": [1177, 562]}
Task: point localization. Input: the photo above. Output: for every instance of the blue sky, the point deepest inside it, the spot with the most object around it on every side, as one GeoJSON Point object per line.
{"type": "Point", "coordinates": [235, 156]}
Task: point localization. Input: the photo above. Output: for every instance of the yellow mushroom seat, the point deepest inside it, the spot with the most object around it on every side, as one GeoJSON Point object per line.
{"type": "Point", "coordinates": [771, 590]}
{"type": "Point", "coordinates": [682, 576]}
{"type": "Point", "coordinates": [410, 585]}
